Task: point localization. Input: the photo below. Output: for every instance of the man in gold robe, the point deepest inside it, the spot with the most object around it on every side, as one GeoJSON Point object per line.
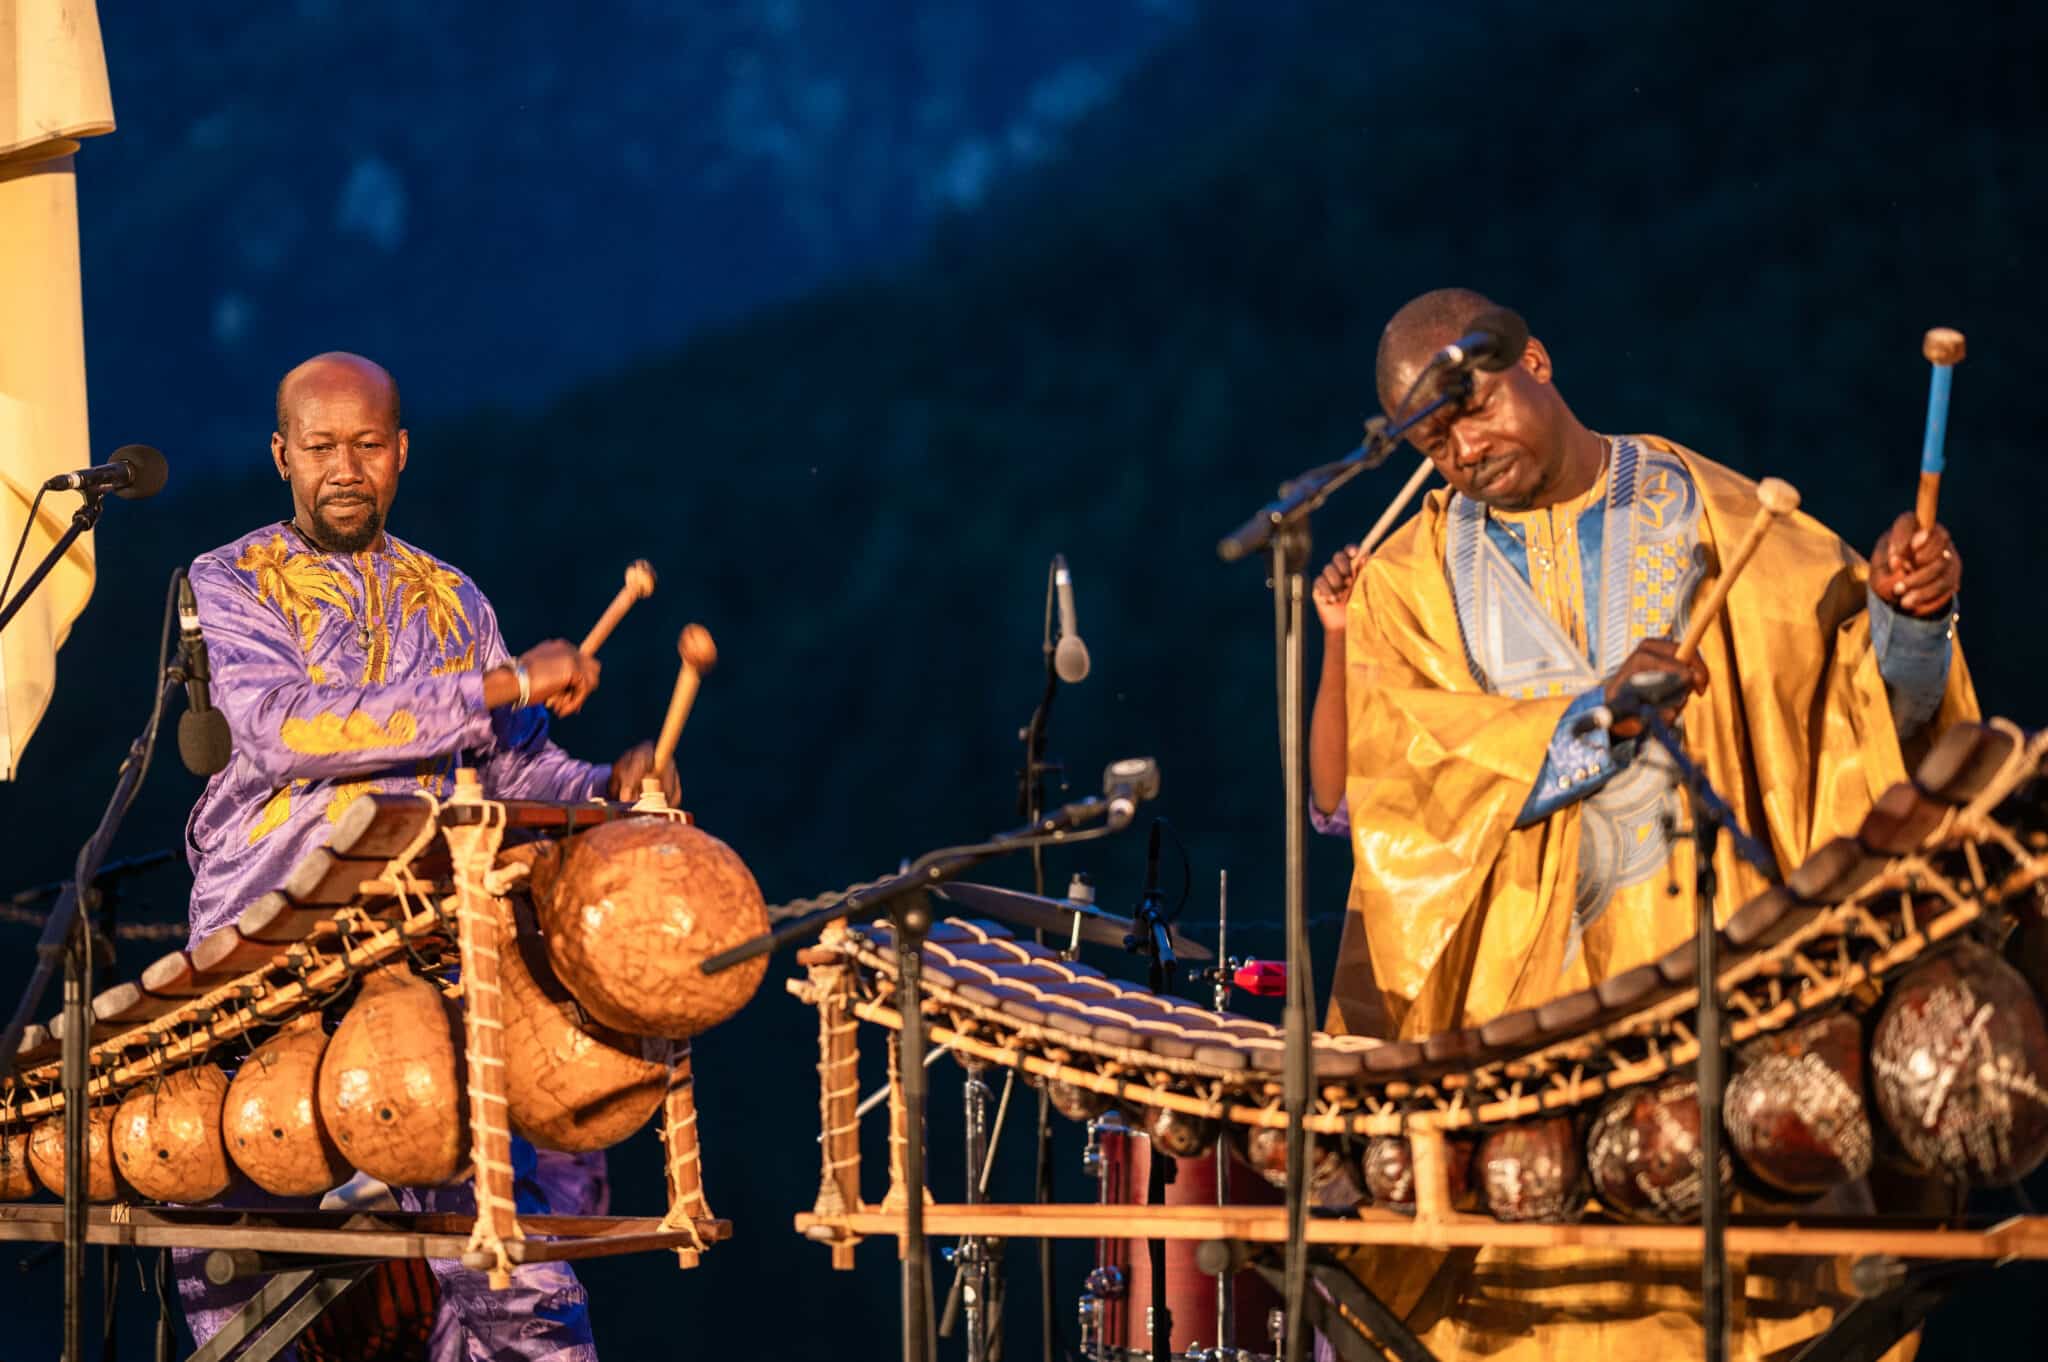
{"type": "Point", "coordinates": [1506, 851]}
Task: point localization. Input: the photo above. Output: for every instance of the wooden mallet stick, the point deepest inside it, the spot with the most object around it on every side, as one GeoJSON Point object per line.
{"type": "Point", "coordinates": [639, 585]}
{"type": "Point", "coordinates": [699, 655]}
{"type": "Point", "coordinates": [1385, 524]}
{"type": "Point", "coordinates": [1776, 497]}
{"type": "Point", "coordinates": [1944, 350]}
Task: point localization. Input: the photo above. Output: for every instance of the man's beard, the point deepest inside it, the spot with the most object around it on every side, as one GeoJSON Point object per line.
{"type": "Point", "coordinates": [335, 539]}
{"type": "Point", "coordinates": [1519, 501]}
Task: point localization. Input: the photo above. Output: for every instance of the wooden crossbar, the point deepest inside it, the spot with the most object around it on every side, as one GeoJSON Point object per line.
{"type": "Point", "coordinates": [1820, 1237]}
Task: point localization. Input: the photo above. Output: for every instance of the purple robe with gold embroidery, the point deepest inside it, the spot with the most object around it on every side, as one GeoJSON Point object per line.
{"type": "Point", "coordinates": [340, 674]}
{"type": "Point", "coordinates": [345, 673]}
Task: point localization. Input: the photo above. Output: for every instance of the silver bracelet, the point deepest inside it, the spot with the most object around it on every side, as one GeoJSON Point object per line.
{"type": "Point", "coordinates": [525, 684]}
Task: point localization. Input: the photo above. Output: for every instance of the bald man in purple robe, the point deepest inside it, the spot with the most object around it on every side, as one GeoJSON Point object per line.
{"type": "Point", "coordinates": [348, 661]}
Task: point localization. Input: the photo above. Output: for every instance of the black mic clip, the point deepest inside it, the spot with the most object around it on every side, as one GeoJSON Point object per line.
{"type": "Point", "coordinates": [1153, 935]}
{"type": "Point", "coordinates": [1657, 690]}
{"type": "Point", "coordinates": [1644, 692]}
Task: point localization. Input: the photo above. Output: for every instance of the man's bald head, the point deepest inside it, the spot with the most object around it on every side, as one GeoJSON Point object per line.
{"type": "Point", "coordinates": [336, 368]}
{"type": "Point", "coordinates": [1422, 327]}
{"type": "Point", "coordinates": [340, 445]}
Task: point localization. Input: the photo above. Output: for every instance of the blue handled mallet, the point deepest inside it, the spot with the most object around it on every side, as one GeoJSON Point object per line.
{"type": "Point", "coordinates": [1944, 350]}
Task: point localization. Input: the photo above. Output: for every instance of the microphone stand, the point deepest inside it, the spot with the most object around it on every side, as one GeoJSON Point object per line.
{"type": "Point", "coordinates": [903, 896]}
{"type": "Point", "coordinates": [111, 875]}
{"type": "Point", "coordinates": [1280, 529]}
{"type": "Point", "coordinates": [67, 937]}
{"type": "Point", "coordinates": [82, 520]}
{"type": "Point", "coordinates": [1152, 939]}
{"type": "Point", "coordinates": [1030, 807]}
{"type": "Point", "coordinates": [1710, 815]}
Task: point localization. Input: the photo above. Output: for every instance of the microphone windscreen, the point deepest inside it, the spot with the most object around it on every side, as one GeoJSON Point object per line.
{"type": "Point", "coordinates": [1140, 773]}
{"type": "Point", "coordinates": [150, 471]}
{"type": "Point", "coordinates": [1070, 660]}
{"type": "Point", "coordinates": [1507, 336]}
{"type": "Point", "coordinates": [203, 741]}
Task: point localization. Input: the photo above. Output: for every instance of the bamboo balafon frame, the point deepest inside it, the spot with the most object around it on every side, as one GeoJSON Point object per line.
{"type": "Point", "coordinates": [1951, 855]}
{"type": "Point", "coordinates": [402, 878]}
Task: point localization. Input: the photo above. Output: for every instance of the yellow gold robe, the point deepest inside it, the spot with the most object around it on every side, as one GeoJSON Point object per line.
{"type": "Point", "coordinates": [1457, 916]}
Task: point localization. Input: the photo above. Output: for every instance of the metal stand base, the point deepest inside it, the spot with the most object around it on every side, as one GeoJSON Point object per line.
{"type": "Point", "coordinates": [273, 1320]}
{"type": "Point", "coordinates": [1362, 1329]}
{"type": "Point", "coordinates": [1873, 1326]}
{"type": "Point", "coordinates": [1338, 1306]}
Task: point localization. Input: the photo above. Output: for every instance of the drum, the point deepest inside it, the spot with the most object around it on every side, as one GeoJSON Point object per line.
{"type": "Point", "coordinates": [272, 1123]}
{"type": "Point", "coordinates": [1116, 1306]}
{"type": "Point", "coordinates": [571, 1083]}
{"type": "Point", "coordinates": [46, 1154]}
{"type": "Point", "coordinates": [1795, 1110]}
{"type": "Point", "coordinates": [17, 1180]}
{"type": "Point", "coordinates": [1643, 1154]}
{"type": "Point", "coordinates": [167, 1137]}
{"type": "Point", "coordinates": [1532, 1170]}
{"type": "Point", "coordinates": [1959, 1063]}
{"type": "Point", "coordinates": [391, 1088]}
{"type": "Point", "coordinates": [630, 910]}
{"type": "Point", "coordinates": [388, 1316]}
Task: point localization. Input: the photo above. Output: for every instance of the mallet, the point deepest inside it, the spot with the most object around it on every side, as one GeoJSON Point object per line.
{"type": "Point", "coordinates": [699, 655]}
{"type": "Point", "coordinates": [1388, 517]}
{"type": "Point", "coordinates": [1944, 350]}
{"type": "Point", "coordinates": [1385, 524]}
{"type": "Point", "coordinates": [639, 585]}
{"type": "Point", "coordinates": [1776, 497]}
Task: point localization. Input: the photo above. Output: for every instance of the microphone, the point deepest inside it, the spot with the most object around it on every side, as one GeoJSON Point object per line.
{"type": "Point", "coordinates": [1495, 342]}
{"type": "Point", "coordinates": [135, 472]}
{"type": "Point", "coordinates": [1070, 660]}
{"type": "Point", "coordinates": [1126, 784]}
{"type": "Point", "coordinates": [203, 739]}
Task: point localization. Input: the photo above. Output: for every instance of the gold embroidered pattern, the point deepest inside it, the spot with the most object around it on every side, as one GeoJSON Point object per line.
{"type": "Point", "coordinates": [464, 661]}
{"type": "Point", "coordinates": [1550, 539]}
{"type": "Point", "coordinates": [432, 778]}
{"type": "Point", "coordinates": [298, 584]}
{"type": "Point", "coordinates": [328, 733]}
{"type": "Point", "coordinates": [375, 633]}
{"type": "Point", "coordinates": [426, 587]}
{"type": "Point", "coordinates": [345, 795]}
{"type": "Point", "coordinates": [276, 810]}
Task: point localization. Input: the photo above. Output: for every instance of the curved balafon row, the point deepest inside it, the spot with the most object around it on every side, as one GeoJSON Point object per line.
{"type": "Point", "coordinates": [471, 988]}
{"type": "Point", "coordinates": [1594, 1087]}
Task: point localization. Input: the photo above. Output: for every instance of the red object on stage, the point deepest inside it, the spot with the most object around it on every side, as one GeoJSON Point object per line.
{"type": "Point", "coordinates": [1190, 1292]}
{"type": "Point", "coordinates": [386, 1317]}
{"type": "Point", "coordinates": [1262, 978]}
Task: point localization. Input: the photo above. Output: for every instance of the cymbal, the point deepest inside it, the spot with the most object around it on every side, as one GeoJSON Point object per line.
{"type": "Point", "coordinates": [1057, 916]}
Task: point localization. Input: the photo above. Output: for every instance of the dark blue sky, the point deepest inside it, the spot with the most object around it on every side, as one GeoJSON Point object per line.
{"type": "Point", "coordinates": [497, 200]}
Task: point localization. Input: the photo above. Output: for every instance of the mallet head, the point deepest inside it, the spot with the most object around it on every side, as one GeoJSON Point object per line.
{"type": "Point", "coordinates": [1777, 496]}
{"type": "Point", "coordinates": [1943, 346]}
{"type": "Point", "coordinates": [696, 648]}
{"type": "Point", "coordinates": [640, 579]}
